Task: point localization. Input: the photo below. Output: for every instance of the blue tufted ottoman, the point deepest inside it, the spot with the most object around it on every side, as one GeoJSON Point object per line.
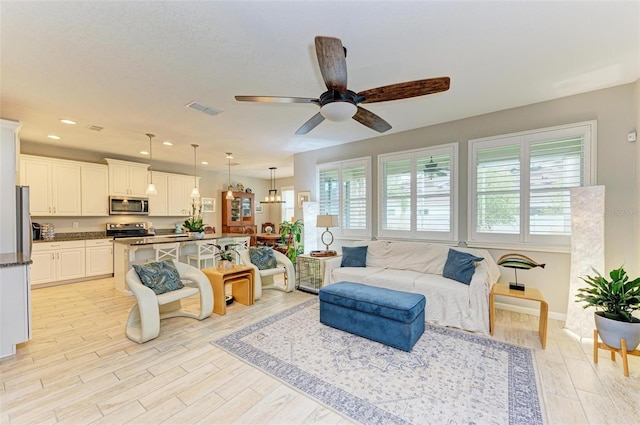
{"type": "Point", "coordinates": [391, 317]}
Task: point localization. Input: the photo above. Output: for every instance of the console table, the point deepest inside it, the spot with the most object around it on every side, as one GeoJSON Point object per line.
{"type": "Point", "coordinates": [241, 280]}
{"type": "Point", "coordinates": [531, 294]}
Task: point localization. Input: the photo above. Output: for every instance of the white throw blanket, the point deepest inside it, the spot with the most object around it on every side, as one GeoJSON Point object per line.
{"type": "Point", "coordinates": [417, 267]}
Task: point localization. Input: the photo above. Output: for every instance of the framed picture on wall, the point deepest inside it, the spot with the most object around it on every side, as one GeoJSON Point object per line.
{"type": "Point", "coordinates": [208, 205]}
{"type": "Point", "coordinates": [258, 209]}
{"type": "Point", "coordinates": [303, 197]}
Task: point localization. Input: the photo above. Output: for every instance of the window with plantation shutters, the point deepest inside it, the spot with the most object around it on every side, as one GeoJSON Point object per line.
{"type": "Point", "coordinates": [344, 189]}
{"type": "Point", "coordinates": [418, 193]}
{"type": "Point", "coordinates": [520, 184]}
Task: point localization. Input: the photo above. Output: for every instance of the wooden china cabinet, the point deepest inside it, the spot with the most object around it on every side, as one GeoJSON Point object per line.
{"type": "Point", "coordinates": [238, 213]}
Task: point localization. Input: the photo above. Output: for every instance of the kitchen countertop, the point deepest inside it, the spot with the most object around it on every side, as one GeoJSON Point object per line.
{"type": "Point", "coordinates": [14, 259]}
{"type": "Point", "coordinates": [176, 238]}
{"type": "Point", "coordinates": [75, 236]}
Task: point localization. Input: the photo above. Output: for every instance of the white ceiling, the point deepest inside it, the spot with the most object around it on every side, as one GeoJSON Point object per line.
{"type": "Point", "coordinates": [131, 67]}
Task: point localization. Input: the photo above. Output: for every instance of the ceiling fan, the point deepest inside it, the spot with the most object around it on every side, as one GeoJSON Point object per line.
{"type": "Point", "coordinates": [339, 103]}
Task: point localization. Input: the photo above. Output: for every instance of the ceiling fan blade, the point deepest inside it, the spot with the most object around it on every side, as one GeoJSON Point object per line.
{"type": "Point", "coordinates": [406, 90]}
{"type": "Point", "coordinates": [277, 99]}
{"type": "Point", "coordinates": [333, 65]}
{"type": "Point", "coordinates": [311, 124]}
{"type": "Point", "coordinates": [371, 120]}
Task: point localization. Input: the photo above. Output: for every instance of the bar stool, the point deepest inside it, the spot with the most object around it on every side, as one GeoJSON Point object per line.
{"type": "Point", "coordinates": [167, 251]}
{"type": "Point", "coordinates": [205, 250]}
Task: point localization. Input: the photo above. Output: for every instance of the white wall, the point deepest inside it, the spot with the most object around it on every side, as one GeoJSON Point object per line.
{"type": "Point", "coordinates": [614, 109]}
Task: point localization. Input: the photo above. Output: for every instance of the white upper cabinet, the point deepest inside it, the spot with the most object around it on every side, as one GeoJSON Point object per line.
{"type": "Point", "coordinates": [174, 195]}
{"type": "Point", "coordinates": [179, 202]}
{"type": "Point", "coordinates": [127, 178]}
{"type": "Point", "coordinates": [55, 185]}
{"type": "Point", "coordinates": [95, 189]}
{"type": "Point", "coordinates": [158, 203]}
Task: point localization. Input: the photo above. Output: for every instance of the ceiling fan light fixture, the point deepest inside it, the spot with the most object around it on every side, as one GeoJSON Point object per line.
{"type": "Point", "coordinates": [338, 111]}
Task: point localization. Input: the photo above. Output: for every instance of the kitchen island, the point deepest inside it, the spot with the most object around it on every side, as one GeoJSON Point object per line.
{"type": "Point", "coordinates": [129, 251]}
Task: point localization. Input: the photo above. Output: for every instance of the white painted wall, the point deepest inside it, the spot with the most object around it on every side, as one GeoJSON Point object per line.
{"type": "Point", "coordinates": [615, 109]}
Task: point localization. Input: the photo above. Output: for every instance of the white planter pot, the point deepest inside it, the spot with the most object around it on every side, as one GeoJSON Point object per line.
{"type": "Point", "coordinates": [224, 264]}
{"type": "Point", "coordinates": [611, 331]}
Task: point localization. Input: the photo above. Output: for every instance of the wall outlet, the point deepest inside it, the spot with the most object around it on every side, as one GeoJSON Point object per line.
{"type": "Point", "coordinates": [632, 137]}
{"type": "Point", "coordinates": [74, 224]}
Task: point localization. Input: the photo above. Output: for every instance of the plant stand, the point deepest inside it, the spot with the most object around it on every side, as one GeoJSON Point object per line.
{"type": "Point", "coordinates": [622, 351]}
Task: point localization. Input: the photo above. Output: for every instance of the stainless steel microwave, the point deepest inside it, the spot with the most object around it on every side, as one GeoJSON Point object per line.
{"type": "Point", "coordinates": [126, 205]}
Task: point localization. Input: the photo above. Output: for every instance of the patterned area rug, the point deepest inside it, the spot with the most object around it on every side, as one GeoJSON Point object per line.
{"type": "Point", "coordinates": [450, 377]}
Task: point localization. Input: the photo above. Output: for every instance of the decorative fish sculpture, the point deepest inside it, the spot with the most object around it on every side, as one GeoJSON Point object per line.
{"type": "Point", "coordinates": [518, 261]}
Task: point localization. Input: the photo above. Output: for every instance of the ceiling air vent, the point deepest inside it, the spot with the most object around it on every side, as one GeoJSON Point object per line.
{"type": "Point", "coordinates": [203, 108]}
{"type": "Point", "coordinates": [95, 127]}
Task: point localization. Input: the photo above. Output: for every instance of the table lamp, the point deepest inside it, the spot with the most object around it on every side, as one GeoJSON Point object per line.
{"type": "Point", "coordinates": [515, 262]}
{"type": "Point", "coordinates": [326, 221]}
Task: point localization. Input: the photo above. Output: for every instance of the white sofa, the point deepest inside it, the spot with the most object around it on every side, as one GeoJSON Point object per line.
{"type": "Point", "coordinates": [417, 267]}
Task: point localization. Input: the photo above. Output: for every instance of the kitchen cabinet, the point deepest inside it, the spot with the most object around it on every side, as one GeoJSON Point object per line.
{"type": "Point", "coordinates": [180, 187]}
{"type": "Point", "coordinates": [95, 189]}
{"type": "Point", "coordinates": [98, 257]}
{"type": "Point", "coordinates": [158, 203]}
{"type": "Point", "coordinates": [57, 261]}
{"type": "Point", "coordinates": [237, 213]}
{"type": "Point", "coordinates": [127, 178]}
{"type": "Point", "coordinates": [15, 308]}
{"type": "Point", "coordinates": [174, 194]}
{"type": "Point", "coordinates": [55, 186]}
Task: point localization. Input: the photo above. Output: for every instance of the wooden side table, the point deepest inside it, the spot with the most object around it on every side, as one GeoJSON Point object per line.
{"type": "Point", "coordinates": [241, 280]}
{"type": "Point", "coordinates": [622, 351]}
{"type": "Point", "coordinates": [531, 294]}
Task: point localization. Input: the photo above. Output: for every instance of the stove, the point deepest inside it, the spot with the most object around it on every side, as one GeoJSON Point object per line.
{"type": "Point", "coordinates": [128, 230]}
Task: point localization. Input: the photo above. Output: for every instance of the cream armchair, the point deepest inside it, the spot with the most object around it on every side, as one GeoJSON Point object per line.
{"type": "Point", "coordinates": [264, 279]}
{"type": "Point", "coordinates": [143, 323]}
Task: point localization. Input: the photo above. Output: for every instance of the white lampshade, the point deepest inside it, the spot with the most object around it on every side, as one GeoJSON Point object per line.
{"type": "Point", "coordinates": [338, 111]}
{"type": "Point", "coordinates": [230, 194]}
{"type": "Point", "coordinates": [195, 193]}
{"type": "Point", "coordinates": [151, 189]}
{"type": "Point", "coordinates": [327, 221]}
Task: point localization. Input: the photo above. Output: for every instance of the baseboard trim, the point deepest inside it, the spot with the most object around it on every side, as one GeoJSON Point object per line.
{"type": "Point", "coordinates": [528, 310]}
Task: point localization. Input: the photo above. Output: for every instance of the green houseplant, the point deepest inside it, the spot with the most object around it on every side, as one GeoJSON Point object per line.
{"type": "Point", "coordinates": [291, 233]}
{"type": "Point", "coordinates": [194, 223]}
{"type": "Point", "coordinates": [615, 301]}
{"type": "Point", "coordinates": [226, 255]}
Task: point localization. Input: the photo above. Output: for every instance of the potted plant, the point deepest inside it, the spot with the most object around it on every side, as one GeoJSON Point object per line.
{"type": "Point", "coordinates": [616, 300]}
{"type": "Point", "coordinates": [194, 223]}
{"type": "Point", "coordinates": [291, 233]}
{"type": "Point", "coordinates": [226, 256]}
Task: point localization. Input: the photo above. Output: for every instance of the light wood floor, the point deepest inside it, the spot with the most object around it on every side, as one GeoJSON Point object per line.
{"type": "Point", "coordinates": [79, 368]}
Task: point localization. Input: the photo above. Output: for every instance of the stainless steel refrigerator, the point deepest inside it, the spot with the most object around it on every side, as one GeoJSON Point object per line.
{"type": "Point", "coordinates": [24, 239]}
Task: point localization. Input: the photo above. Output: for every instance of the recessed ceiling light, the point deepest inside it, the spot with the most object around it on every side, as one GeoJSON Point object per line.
{"type": "Point", "coordinates": [144, 152]}
{"type": "Point", "coordinates": [204, 163]}
{"type": "Point", "coordinates": [65, 121]}
{"type": "Point", "coordinates": [167, 143]}
{"type": "Point", "coordinates": [53, 136]}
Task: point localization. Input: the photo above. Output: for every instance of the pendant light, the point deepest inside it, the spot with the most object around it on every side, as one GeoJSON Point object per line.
{"type": "Point", "coordinates": [272, 197]}
{"type": "Point", "coordinates": [229, 188]}
{"type": "Point", "coordinates": [194, 192]}
{"type": "Point", "coordinates": [151, 189]}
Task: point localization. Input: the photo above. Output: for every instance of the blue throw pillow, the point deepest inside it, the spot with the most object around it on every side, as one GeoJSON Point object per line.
{"type": "Point", "coordinates": [263, 258]}
{"type": "Point", "coordinates": [354, 256]}
{"type": "Point", "coordinates": [460, 266]}
{"type": "Point", "coordinates": [160, 276]}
